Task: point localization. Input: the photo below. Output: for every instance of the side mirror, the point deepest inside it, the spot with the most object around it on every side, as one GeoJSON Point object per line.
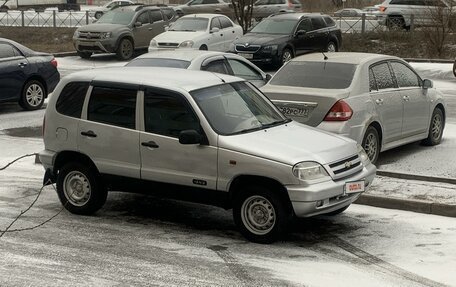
{"type": "Point", "coordinates": [189, 137]}
{"type": "Point", "coordinates": [138, 24]}
{"type": "Point", "coordinates": [214, 30]}
{"type": "Point", "coordinates": [427, 84]}
{"type": "Point", "coordinates": [268, 77]}
{"type": "Point", "coordinates": [301, 33]}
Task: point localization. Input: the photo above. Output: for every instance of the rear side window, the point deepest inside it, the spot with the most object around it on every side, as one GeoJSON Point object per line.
{"type": "Point", "coordinates": [71, 99]}
{"type": "Point", "coordinates": [329, 21]}
{"type": "Point", "coordinates": [383, 77]}
{"type": "Point", "coordinates": [318, 23]}
{"type": "Point", "coordinates": [113, 106]}
{"type": "Point", "coordinates": [218, 66]}
{"type": "Point", "coordinates": [7, 51]}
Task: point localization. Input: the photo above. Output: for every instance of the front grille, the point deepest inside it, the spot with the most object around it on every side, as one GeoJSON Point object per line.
{"type": "Point", "coordinates": [89, 35]}
{"type": "Point", "coordinates": [247, 48]}
{"type": "Point", "coordinates": [346, 167]}
{"type": "Point", "coordinates": [168, 45]}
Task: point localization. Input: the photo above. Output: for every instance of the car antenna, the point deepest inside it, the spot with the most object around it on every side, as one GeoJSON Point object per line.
{"type": "Point", "coordinates": [324, 56]}
{"type": "Point", "coordinates": [223, 81]}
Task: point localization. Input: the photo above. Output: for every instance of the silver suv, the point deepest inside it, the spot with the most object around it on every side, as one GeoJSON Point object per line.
{"type": "Point", "coordinates": [122, 30]}
{"type": "Point", "coordinates": [200, 136]}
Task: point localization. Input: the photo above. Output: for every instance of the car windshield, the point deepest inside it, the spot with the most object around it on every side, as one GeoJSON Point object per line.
{"type": "Point", "coordinates": [319, 75]}
{"type": "Point", "coordinates": [275, 26]}
{"type": "Point", "coordinates": [237, 108]}
{"type": "Point", "coordinates": [190, 24]}
{"type": "Point", "coordinates": [119, 16]}
{"type": "Point", "coordinates": [159, 62]}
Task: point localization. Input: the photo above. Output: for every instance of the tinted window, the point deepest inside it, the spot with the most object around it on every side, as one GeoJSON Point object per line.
{"type": "Point", "coordinates": [215, 23]}
{"type": "Point", "coordinates": [216, 67]}
{"type": "Point", "coordinates": [405, 77]}
{"type": "Point", "coordinates": [167, 114]}
{"type": "Point", "coordinates": [318, 23]}
{"type": "Point", "coordinates": [226, 23]}
{"type": "Point", "coordinates": [156, 16]}
{"type": "Point", "coordinates": [143, 18]}
{"type": "Point", "coordinates": [210, 1]}
{"type": "Point", "coordinates": [275, 26]}
{"type": "Point", "coordinates": [113, 106]}
{"type": "Point", "coordinates": [169, 13]}
{"type": "Point", "coordinates": [158, 62]}
{"type": "Point", "coordinates": [304, 25]}
{"type": "Point", "coordinates": [321, 75]}
{"type": "Point", "coordinates": [372, 82]}
{"type": "Point", "coordinates": [7, 51]}
{"type": "Point", "coordinates": [329, 21]}
{"type": "Point", "coordinates": [383, 76]}
{"type": "Point", "coordinates": [242, 70]}
{"type": "Point", "coordinates": [71, 99]}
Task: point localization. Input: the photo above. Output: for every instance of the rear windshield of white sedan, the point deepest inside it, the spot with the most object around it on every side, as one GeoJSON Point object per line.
{"type": "Point", "coordinates": [190, 24]}
{"type": "Point", "coordinates": [159, 62]}
{"type": "Point", "coordinates": [319, 75]}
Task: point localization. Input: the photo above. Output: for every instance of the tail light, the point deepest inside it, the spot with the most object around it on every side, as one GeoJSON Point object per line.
{"type": "Point", "coordinates": [382, 8]}
{"type": "Point", "coordinates": [340, 111]}
{"type": "Point", "coordinates": [44, 125]}
{"type": "Point", "coordinates": [54, 62]}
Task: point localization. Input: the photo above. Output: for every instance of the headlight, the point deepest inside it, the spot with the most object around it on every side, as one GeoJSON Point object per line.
{"type": "Point", "coordinates": [309, 170]}
{"type": "Point", "coordinates": [105, 35]}
{"type": "Point", "coordinates": [186, 44]}
{"type": "Point", "coordinates": [363, 155]}
{"type": "Point", "coordinates": [153, 43]}
{"type": "Point", "coordinates": [76, 34]}
{"type": "Point", "coordinates": [270, 49]}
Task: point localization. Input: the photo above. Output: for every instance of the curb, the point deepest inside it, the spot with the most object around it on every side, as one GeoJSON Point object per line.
{"type": "Point", "coordinates": [420, 206]}
{"type": "Point", "coordinates": [416, 177]}
{"type": "Point", "coordinates": [419, 60]}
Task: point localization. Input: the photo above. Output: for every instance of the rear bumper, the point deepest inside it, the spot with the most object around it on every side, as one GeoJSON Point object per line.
{"type": "Point", "coordinates": [346, 129]}
{"type": "Point", "coordinates": [327, 196]}
{"type": "Point", "coordinates": [47, 160]}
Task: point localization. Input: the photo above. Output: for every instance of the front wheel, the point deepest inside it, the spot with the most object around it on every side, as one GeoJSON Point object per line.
{"type": "Point", "coordinates": [371, 144]}
{"type": "Point", "coordinates": [33, 95]}
{"type": "Point", "coordinates": [435, 128]}
{"type": "Point", "coordinates": [261, 215]}
{"type": "Point", "coordinates": [125, 49]}
{"type": "Point", "coordinates": [79, 189]}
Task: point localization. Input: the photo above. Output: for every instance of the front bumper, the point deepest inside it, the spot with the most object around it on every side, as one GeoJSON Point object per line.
{"type": "Point", "coordinates": [260, 57]}
{"type": "Point", "coordinates": [94, 46]}
{"type": "Point", "coordinates": [328, 196]}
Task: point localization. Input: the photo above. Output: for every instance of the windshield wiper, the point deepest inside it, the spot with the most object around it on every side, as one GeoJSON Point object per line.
{"type": "Point", "coordinates": [276, 123]}
{"type": "Point", "coordinates": [248, 130]}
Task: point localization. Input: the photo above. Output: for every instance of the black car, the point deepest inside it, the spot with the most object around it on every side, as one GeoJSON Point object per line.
{"type": "Point", "coordinates": [280, 37]}
{"type": "Point", "coordinates": [26, 76]}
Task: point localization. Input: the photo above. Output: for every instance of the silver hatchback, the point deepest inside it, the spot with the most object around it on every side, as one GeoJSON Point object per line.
{"type": "Point", "coordinates": [377, 100]}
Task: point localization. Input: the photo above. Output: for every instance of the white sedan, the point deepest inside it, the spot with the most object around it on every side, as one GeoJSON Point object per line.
{"type": "Point", "coordinates": [216, 62]}
{"type": "Point", "coordinates": [213, 32]}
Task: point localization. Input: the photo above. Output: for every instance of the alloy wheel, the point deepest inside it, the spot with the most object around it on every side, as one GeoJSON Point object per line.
{"type": "Point", "coordinates": [34, 95]}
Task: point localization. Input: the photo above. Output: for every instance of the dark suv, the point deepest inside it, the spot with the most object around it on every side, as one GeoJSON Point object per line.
{"type": "Point", "coordinates": [280, 37]}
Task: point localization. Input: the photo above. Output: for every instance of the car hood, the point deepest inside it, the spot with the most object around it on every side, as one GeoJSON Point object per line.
{"type": "Point", "coordinates": [262, 39]}
{"type": "Point", "coordinates": [291, 143]}
{"type": "Point", "coordinates": [101, 27]}
{"type": "Point", "coordinates": [178, 36]}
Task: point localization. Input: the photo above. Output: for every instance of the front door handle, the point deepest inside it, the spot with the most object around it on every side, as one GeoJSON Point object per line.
{"type": "Point", "coordinates": [150, 144]}
{"type": "Point", "coordinates": [379, 101]}
{"type": "Point", "coordinates": [89, 134]}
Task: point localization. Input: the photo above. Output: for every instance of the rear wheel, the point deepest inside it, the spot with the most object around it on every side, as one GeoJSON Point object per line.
{"type": "Point", "coordinates": [262, 216]}
{"type": "Point", "coordinates": [125, 49]}
{"type": "Point", "coordinates": [33, 95]}
{"type": "Point", "coordinates": [435, 128]}
{"type": "Point", "coordinates": [203, 47]}
{"type": "Point", "coordinates": [371, 143]}
{"type": "Point", "coordinates": [454, 68]}
{"type": "Point", "coordinates": [331, 47]}
{"type": "Point", "coordinates": [84, 55]}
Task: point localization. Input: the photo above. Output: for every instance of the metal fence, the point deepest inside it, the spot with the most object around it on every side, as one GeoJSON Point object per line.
{"type": "Point", "coordinates": [360, 24]}
{"type": "Point", "coordinates": [45, 19]}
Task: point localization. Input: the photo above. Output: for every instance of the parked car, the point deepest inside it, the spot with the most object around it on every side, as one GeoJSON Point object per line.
{"type": "Point", "coordinates": [264, 8]}
{"type": "Point", "coordinates": [216, 62]}
{"type": "Point", "coordinates": [279, 38]}
{"type": "Point", "coordinates": [223, 7]}
{"type": "Point", "coordinates": [398, 13]}
{"type": "Point", "coordinates": [26, 76]}
{"type": "Point", "coordinates": [371, 11]}
{"type": "Point", "coordinates": [205, 135]}
{"type": "Point", "coordinates": [98, 11]}
{"type": "Point", "coordinates": [377, 100]}
{"type": "Point", "coordinates": [454, 68]}
{"type": "Point", "coordinates": [122, 30]}
{"type": "Point", "coordinates": [212, 32]}
{"type": "Point", "coordinates": [349, 12]}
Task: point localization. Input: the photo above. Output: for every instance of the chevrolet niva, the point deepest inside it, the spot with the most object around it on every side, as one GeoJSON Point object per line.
{"type": "Point", "coordinates": [200, 134]}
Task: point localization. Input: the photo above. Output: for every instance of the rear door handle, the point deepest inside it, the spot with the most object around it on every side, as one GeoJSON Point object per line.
{"type": "Point", "coordinates": [379, 101]}
{"type": "Point", "coordinates": [150, 144]}
{"type": "Point", "coordinates": [89, 134]}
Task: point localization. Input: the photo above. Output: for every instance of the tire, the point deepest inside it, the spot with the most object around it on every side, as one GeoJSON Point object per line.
{"type": "Point", "coordinates": [395, 22]}
{"type": "Point", "coordinates": [272, 214]}
{"type": "Point", "coordinates": [435, 128]}
{"type": "Point", "coordinates": [33, 95]}
{"type": "Point", "coordinates": [79, 189]}
{"type": "Point", "coordinates": [337, 212]}
{"type": "Point", "coordinates": [179, 13]}
{"type": "Point", "coordinates": [98, 15]}
{"type": "Point", "coordinates": [84, 55]}
{"type": "Point", "coordinates": [286, 56]}
{"type": "Point", "coordinates": [331, 47]}
{"type": "Point", "coordinates": [371, 144]}
{"type": "Point", "coordinates": [203, 47]}
{"type": "Point", "coordinates": [454, 68]}
{"type": "Point", "coordinates": [125, 49]}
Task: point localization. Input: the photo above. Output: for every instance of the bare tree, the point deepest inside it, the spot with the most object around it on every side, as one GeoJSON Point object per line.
{"type": "Point", "coordinates": [243, 12]}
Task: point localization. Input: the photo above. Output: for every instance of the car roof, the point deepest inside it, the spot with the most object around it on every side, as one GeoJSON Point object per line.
{"type": "Point", "coordinates": [137, 7]}
{"type": "Point", "coordinates": [180, 54]}
{"type": "Point", "coordinates": [293, 15]}
{"type": "Point", "coordinates": [344, 57]}
{"type": "Point", "coordinates": [202, 15]}
{"type": "Point", "coordinates": [167, 78]}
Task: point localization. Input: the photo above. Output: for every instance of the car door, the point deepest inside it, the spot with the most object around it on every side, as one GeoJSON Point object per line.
{"type": "Point", "coordinates": [216, 40]}
{"type": "Point", "coordinates": [143, 30]}
{"type": "Point", "coordinates": [416, 103]}
{"type": "Point", "coordinates": [107, 131]}
{"type": "Point", "coordinates": [319, 34]}
{"type": "Point", "coordinates": [304, 38]}
{"type": "Point", "coordinates": [14, 69]}
{"type": "Point", "coordinates": [243, 70]}
{"type": "Point", "coordinates": [387, 100]}
{"type": "Point", "coordinates": [163, 158]}
{"type": "Point", "coordinates": [229, 33]}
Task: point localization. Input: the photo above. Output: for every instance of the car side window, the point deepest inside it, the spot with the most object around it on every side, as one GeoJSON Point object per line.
{"type": "Point", "coordinates": [225, 22]}
{"type": "Point", "coordinates": [166, 113]}
{"type": "Point", "coordinates": [261, 2]}
{"type": "Point", "coordinates": [217, 66]}
{"type": "Point", "coordinates": [113, 106]}
{"type": "Point", "coordinates": [215, 23]}
{"type": "Point", "coordinates": [143, 18]}
{"type": "Point", "coordinates": [7, 51]}
{"type": "Point", "coordinates": [318, 23]}
{"type": "Point", "coordinates": [304, 25]}
{"type": "Point", "coordinates": [210, 2]}
{"type": "Point", "coordinates": [383, 76]}
{"type": "Point", "coordinates": [405, 77]}
{"type": "Point", "coordinates": [156, 16]}
{"type": "Point", "coordinates": [329, 21]}
{"type": "Point", "coordinates": [72, 98]}
{"type": "Point", "coordinates": [169, 14]}
{"type": "Point", "coordinates": [242, 70]}
{"type": "Point", "coordinates": [372, 81]}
